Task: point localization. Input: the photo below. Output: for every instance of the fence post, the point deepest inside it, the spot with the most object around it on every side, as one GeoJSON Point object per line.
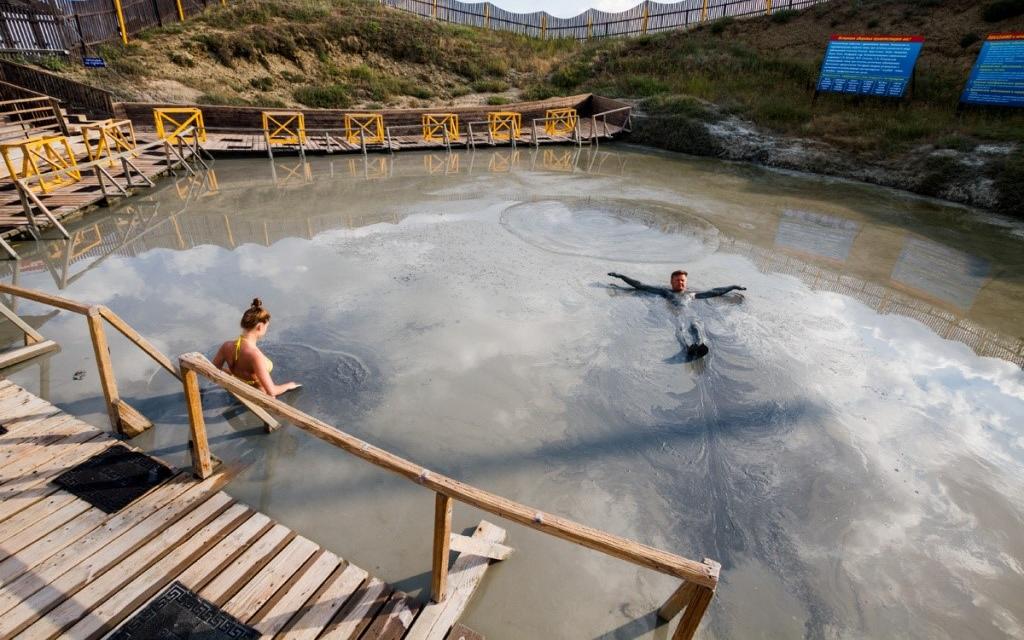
{"type": "Point", "coordinates": [543, 25]}
{"type": "Point", "coordinates": [120, 21]}
{"type": "Point", "coordinates": [590, 25]}
{"type": "Point", "coordinates": [442, 546]}
{"type": "Point", "coordinates": [487, 15]}
{"type": "Point", "coordinates": [181, 11]}
{"type": "Point", "coordinates": [106, 370]}
{"type": "Point", "coordinates": [156, 12]}
{"type": "Point", "coordinates": [433, 11]}
{"type": "Point", "coordinates": [60, 117]}
{"type": "Point", "coordinates": [704, 12]}
{"type": "Point", "coordinates": [767, 6]}
{"type": "Point", "coordinates": [199, 446]}
{"type": "Point", "coordinates": [647, 12]}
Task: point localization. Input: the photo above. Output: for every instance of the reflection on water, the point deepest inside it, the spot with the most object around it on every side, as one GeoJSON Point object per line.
{"type": "Point", "coordinates": [454, 309]}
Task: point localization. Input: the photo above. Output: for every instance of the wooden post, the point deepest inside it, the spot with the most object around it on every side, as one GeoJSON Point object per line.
{"type": "Point", "coordinates": [156, 12]}
{"type": "Point", "coordinates": [704, 12]}
{"type": "Point", "coordinates": [181, 11]}
{"type": "Point", "coordinates": [103, 365]}
{"type": "Point", "coordinates": [543, 25]}
{"type": "Point", "coordinates": [120, 21]}
{"type": "Point", "coordinates": [433, 13]}
{"type": "Point", "coordinates": [442, 546]}
{"type": "Point", "coordinates": [487, 15]}
{"type": "Point", "coordinates": [767, 6]}
{"type": "Point", "coordinates": [677, 601]}
{"type": "Point", "coordinates": [590, 26]}
{"type": "Point", "coordinates": [694, 613]}
{"type": "Point", "coordinates": [199, 446]}
{"type": "Point", "coordinates": [647, 12]}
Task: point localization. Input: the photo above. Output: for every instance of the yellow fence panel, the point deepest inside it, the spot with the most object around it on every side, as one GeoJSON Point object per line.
{"type": "Point", "coordinates": [371, 125]}
{"type": "Point", "coordinates": [39, 156]}
{"type": "Point", "coordinates": [435, 125]}
{"type": "Point", "coordinates": [284, 127]}
{"type": "Point", "coordinates": [172, 122]}
{"type": "Point", "coordinates": [560, 122]}
{"type": "Point", "coordinates": [112, 137]}
{"type": "Point", "coordinates": [504, 125]}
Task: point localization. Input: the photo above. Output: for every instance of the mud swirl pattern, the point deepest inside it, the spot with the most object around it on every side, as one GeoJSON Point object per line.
{"type": "Point", "coordinates": [612, 230]}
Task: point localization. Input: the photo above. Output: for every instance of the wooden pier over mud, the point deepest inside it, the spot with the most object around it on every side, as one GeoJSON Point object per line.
{"type": "Point", "coordinates": [74, 568]}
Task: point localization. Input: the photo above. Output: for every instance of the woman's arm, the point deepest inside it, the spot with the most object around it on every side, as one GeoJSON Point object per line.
{"type": "Point", "coordinates": [220, 359]}
{"type": "Point", "coordinates": [720, 291]}
{"type": "Point", "coordinates": [266, 382]}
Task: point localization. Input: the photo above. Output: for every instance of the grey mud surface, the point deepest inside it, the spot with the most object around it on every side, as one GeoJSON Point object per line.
{"type": "Point", "coordinates": [851, 451]}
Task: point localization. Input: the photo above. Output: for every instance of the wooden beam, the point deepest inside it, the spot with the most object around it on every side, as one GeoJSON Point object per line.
{"type": "Point", "coordinates": [103, 365]}
{"type": "Point", "coordinates": [130, 421]}
{"type": "Point", "coordinates": [21, 354]}
{"type": "Point", "coordinates": [442, 542]}
{"type": "Point", "coordinates": [202, 466]}
{"type": "Point", "coordinates": [478, 547]}
{"type": "Point", "coordinates": [29, 332]}
{"type": "Point", "coordinates": [615, 546]}
{"type": "Point", "coordinates": [45, 298]}
{"type": "Point", "coordinates": [677, 601]}
{"type": "Point", "coordinates": [694, 614]}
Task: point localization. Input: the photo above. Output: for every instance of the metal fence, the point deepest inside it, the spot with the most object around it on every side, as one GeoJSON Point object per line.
{"type": "Point", "coordinates": [646, 17]}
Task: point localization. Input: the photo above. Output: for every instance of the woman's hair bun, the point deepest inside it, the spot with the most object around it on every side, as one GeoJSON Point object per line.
{"type": "Point", "coordinates": [256, 303]}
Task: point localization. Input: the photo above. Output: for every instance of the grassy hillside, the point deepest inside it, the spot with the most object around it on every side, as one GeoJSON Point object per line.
{"type": "Point", "coordinates": [321, 53]}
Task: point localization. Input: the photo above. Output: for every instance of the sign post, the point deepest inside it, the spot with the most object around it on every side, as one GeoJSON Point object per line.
{"type": "Point", "coordinates": [997, 78]}
{"type": "Point", "coordinates": [869, 65]}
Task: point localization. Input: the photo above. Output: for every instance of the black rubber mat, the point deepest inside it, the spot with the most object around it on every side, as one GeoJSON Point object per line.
{"type": "Point", "coordinates": [111, 480]}
{"type": "Point", "coordinates": [179, 613]}
{"type": "Point", "coordinates": [3, 430]}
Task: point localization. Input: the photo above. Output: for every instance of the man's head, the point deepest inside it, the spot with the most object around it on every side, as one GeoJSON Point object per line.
{"type": "Point", "coordinates": [678, 281]}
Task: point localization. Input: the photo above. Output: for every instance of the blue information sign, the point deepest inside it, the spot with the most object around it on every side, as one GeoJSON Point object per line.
{"type": "Point", "coordinates": [869, 65]}
{"type": "Point", "coordinates": [998, 75]}
{"type": "Point", "coordinates": [94, 62]}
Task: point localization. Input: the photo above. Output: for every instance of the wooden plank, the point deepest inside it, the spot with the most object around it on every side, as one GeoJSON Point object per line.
{"type": "Point", "coordinates": [120, 535]}
{"type": "Point", "coordinates": [394, 619]}
{"type": "Point", "coordinates": [210, 550]}
{"type": "Point", "coordinates": [27, 329]}
{"type": "Point", "coordinates": [22, 491]}
{"type": "Point", "coordinates": [34, 513]}
{"type": "Point", "coordinates": [479, 547]}
{"type": "Point", "coordinates": [87, 598]}
{"type": "Point", "coordinates": [241, 571]}
{"type": "Point", "coordinates": [276, 614]}
{"type": "Point", "coordinates": [467, 571]}
{"type": "Point", "coordinates": [359, 611]}
{"type": "Point", "coordinates": [270, 578]}
{"type": "Point", "coordinates": [677, 601]}
{"type": "Point", "coordinates": [69, 556]}
{"type": "Point", "coordinates": [325, 604]}
{"type": "Point", "coordinates": [57, 524]}
{"type": "Point", "coordinates": [32, 438]}
{"type": "Point", "coordinates": [199, 446]}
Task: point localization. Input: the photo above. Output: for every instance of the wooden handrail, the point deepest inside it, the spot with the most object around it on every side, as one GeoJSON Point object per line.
{"type": "Point", "coordinates": [703, 574]}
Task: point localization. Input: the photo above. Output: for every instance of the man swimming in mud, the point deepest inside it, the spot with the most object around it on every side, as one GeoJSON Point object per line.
{"type": "Point", "coordinates": [677, 294]}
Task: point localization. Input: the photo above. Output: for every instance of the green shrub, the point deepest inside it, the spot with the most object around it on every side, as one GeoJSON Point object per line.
{"type": "Point", "coordinates": [220, 98]}
{"type": "Point", "coordinates": [496, 100]}
{"type": "Point", "coordinates": [1002, 10]}
{"type": "Point", "coordinates": [490, 86]}
{"type": "Point", "coordinates": [181, 59]}
{"type": "Point", "coordinates": [53, 63]}
{"type": "Point", "coordinates": [784, 16]}
{"type": "Point", "coordinates": [720, 25]}
{"type": "Point", "coordinates": [265, 83]}
{"type": "Point", "coordinates": [332, 96]}
{"type": "Point", "coordinates": [217, 46]}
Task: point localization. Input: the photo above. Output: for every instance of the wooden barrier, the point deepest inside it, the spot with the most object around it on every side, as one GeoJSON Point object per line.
{"type": "Point", "coordinates": [364, 128]}
{"type": "Point", "coordinates": [112, 137]}
{"type": "Point", "coordinates": [39, 157]}
{"type": "Point", "coordinates": [504, 125]}
{"type": "Point", "coordinates": [560, 122]}
{"type": "Point", "coordinates": [179, 123]}
{"type": "Point", "coordinates": [441, 127]}
{"type": "Point", "coordinates": [692, 598]}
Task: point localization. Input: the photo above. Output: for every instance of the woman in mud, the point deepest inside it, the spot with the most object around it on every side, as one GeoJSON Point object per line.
{"type": "Point", "coordinates": [244, 359]}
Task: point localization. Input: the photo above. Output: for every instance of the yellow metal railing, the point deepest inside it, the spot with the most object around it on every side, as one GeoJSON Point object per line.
{"type": "Point", "coordinates": [440, 127]}
{"type": "Point", "coordinates": [504, 125]}
{"type": "Point", "coordinates": [50, 158]}
{"type": "Point", "coordinates": [364, 128]}
{"type": "Point", "coordinates": [185, 123]}
{"type": "Point", "coordinates": [284, 127]}
{"type": "Point", "coordinates": [112, 137]}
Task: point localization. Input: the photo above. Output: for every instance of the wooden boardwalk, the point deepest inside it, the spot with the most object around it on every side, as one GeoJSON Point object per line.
{"type": "Point", "coordinates": [68, 569]}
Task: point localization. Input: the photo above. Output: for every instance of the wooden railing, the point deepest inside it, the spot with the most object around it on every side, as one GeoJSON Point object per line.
{"type": "Point", "coordinates": [24, 114]}
{"type": "Point", "coordinates": [124, 419]}
{"type": "Point", "coordinates": [94, 101]}
{"type": "Point", "coordinates": [700, 579]}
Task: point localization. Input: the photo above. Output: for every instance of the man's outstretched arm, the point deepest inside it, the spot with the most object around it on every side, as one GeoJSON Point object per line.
{"type": "Point", "coordinates": [720, 291]}
{"type": "Point", "coordinates": [636, 284]}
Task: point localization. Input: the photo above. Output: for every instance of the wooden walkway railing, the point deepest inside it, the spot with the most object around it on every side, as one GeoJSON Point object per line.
{"type": "Point", "coordinates": [700, 579]}
{"type": "Point", "coordinates": [124, 419]}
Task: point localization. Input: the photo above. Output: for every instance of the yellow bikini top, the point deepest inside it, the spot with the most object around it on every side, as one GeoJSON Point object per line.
{"type": "Point", "coordinates": [238, 351]}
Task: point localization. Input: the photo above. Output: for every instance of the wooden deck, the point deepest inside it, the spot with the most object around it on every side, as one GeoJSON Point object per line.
{"type": "Point", "coordinates": [68, 569]}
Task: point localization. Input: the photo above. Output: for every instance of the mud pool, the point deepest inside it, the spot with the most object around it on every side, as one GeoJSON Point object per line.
{"type": "Point", "coordinates": [852, 450]}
